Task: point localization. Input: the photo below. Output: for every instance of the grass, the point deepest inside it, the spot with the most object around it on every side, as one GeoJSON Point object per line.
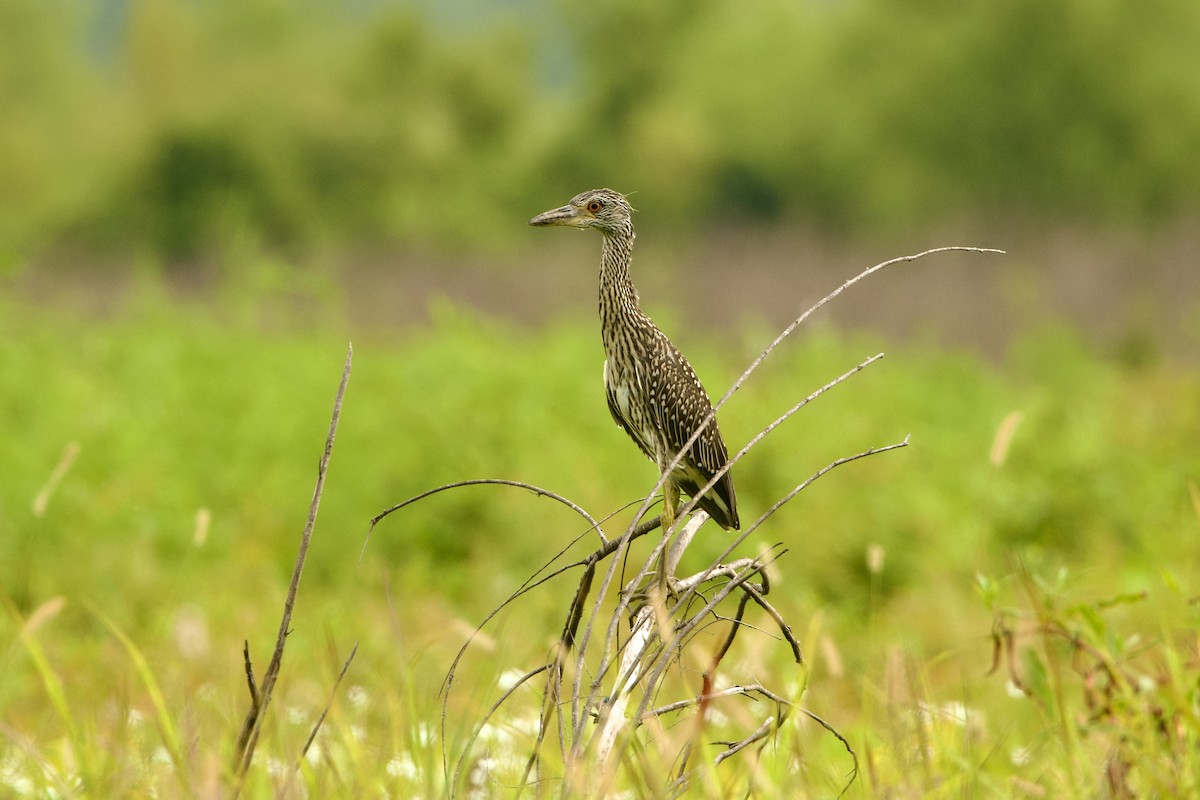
{"type": "Point", "coordinates": [984, 615]}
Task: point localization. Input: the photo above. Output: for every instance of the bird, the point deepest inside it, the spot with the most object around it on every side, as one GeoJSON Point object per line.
{"type": "Point", "coordinates": [653, 392]}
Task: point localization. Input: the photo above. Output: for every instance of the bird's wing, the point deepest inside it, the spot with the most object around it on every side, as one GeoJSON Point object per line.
{"type": "Point", "coordinates": [614, 408]}
{"type": "Point", "coordinates": [682, 407]}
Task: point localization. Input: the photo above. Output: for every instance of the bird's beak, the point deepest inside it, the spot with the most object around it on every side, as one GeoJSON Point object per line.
{"type": "Point", "coordinates": [566, 215]}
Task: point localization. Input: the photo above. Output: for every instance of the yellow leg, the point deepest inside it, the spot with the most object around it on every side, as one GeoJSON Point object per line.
{"type": "Point", "coordinates": [670, 501]}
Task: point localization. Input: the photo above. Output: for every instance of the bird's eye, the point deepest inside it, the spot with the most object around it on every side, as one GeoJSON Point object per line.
{"type": "Point", "coordinates": [594, 206]}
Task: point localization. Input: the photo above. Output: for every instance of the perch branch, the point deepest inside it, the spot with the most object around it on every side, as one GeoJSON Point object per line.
{"type": "Point", "coordinates": [654, 675]}
{"type": "Point", "coordinates": [786, 332]}
{"type": "Point", "coordinates": [626, 597]}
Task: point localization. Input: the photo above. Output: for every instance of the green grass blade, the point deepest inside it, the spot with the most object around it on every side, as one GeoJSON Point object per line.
{"type": "Point", "coordinates": [166, 724]}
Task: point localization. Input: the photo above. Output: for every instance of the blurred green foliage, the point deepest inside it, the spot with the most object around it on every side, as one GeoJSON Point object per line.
{"type": "Point", "coordinates": [175, 410]}
{"type": "Point", "coordinates": [176, 128]}
{"type": "Point", "coordinates": [197, 438]}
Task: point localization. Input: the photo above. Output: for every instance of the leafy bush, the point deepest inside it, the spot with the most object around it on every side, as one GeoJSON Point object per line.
{"type": "Point", "coordinates": [175, 128]}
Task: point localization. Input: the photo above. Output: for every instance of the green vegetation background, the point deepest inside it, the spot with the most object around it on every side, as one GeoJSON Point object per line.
{"type": "Point", "coordinates": [167, 133]}
{"type": "Point", "coordinates": [197, 443]}
{"type": "Point", "coordinates": [164, 127]}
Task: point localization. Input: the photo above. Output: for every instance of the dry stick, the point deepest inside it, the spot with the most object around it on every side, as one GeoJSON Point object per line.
{"type": "Point", "coordinates": [754, 365]}
{"type": "Point", "coordinates": [641, 634]}
{"type": "Point", "coordinates": [784, 628]}
{"type": "Point", "coordinates": [626, 596]}
{"type": "Point", "coordinates": [750, 592]}
{"type": "Point", "coordinates": [845, 744]}
{"type": "Point", "coordinates": [531, 583]}
{"type": "Point", "coordinates": [667, 653]}
{"type": "Point", "coordinates": [731, 691]}
{"type": "Point", "coordinates": [486, 482]}
{"type": "Point", "coordinates": [488, 715]}
{"type": "Point", "coordinates": [654, 674]}
{"type": "Point", "coordinates": [249, 677]}
{"type": "Point", "coordinates": [328, 705]}
{"type": "Point", "coordinates": [771, 511]}
{"type": "Point", "coordinates": [252, 726]}
{"type": "Point", "coordinates": [633, 668]}
{"type": "Point", "coordinates": [757, 736]}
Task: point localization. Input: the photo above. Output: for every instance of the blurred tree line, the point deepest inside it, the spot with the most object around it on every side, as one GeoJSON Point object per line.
{"type": "Point", "coordinates": [172, 127]}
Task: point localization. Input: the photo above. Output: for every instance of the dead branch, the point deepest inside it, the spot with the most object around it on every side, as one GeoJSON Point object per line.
{"type": "Point", "coordinates": [250, 674]}
{"type": "Point", "coordinates": [658, 631]}
{"type": "Point", "coordinates": [478, 729]}
{"type": "Point", "coordinates": [786, 332]}
{"type": "Point", "coordinates": [653, 675]}
{"type": "Point", "coordinates": [570, 627]}
{"type": "Point", "coordinates": [732, 691]}
{"type": "Point", "coordinates": [252, 726]}
{"type": "Point", "coordinates": [537, 490]}
{"type": "Point", "coordinates": [626, 597]}
{"type": "Point", "coordinates": [328, 705]}
{"type": "Point", "coordinates": [784, 628]}
{"type": "Point", "coordinates": [725, 397]}
{"type": "Point", "coordinates": [736, 747]}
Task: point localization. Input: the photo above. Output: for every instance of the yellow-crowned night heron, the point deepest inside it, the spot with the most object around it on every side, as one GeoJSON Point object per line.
{"type": "Point", "coordinates": [653, 392]}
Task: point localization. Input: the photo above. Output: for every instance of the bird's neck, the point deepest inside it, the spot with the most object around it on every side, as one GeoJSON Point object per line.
{"type": "Point", "coordinates": [618, 296]}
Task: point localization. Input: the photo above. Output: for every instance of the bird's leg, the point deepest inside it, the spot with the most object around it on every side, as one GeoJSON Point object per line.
{"type": "Point", "coordinates": [670, 502]}
{"type": "Point", "coordinates": [670, 505]}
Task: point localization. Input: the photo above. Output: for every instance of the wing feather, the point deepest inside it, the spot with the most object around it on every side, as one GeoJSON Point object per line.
{"type": "Point", "coordinates": [683, 406]}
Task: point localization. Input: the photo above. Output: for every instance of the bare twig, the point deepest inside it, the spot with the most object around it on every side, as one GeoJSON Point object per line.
{"type": "Point", "coordinates": [485, 482]}
{"type": "Point", "coordinates": [845, 743]}
{"type": "Point", "coordinates": [659, 631]}
{"type": "Point", "coordinates": [736, 747]}
{"type": "Point", "coordinates": [462, 761]}
{"type": "Point", "coordinates": [784, 628]}
{"type": "Point", "coordinates": [252, 726]}
{"type": "Point", "coordinates": [627, 596]}
{"type": "Point", "coordinates": [786, 332]}
{"type": "Point", "coordinates": [329, 705]}
{"type": "Point", "coordinates": [732, 691]}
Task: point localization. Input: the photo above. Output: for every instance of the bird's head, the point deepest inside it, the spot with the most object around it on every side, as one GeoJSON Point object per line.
{"type": "Point", "coordinates": [604, 209]}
